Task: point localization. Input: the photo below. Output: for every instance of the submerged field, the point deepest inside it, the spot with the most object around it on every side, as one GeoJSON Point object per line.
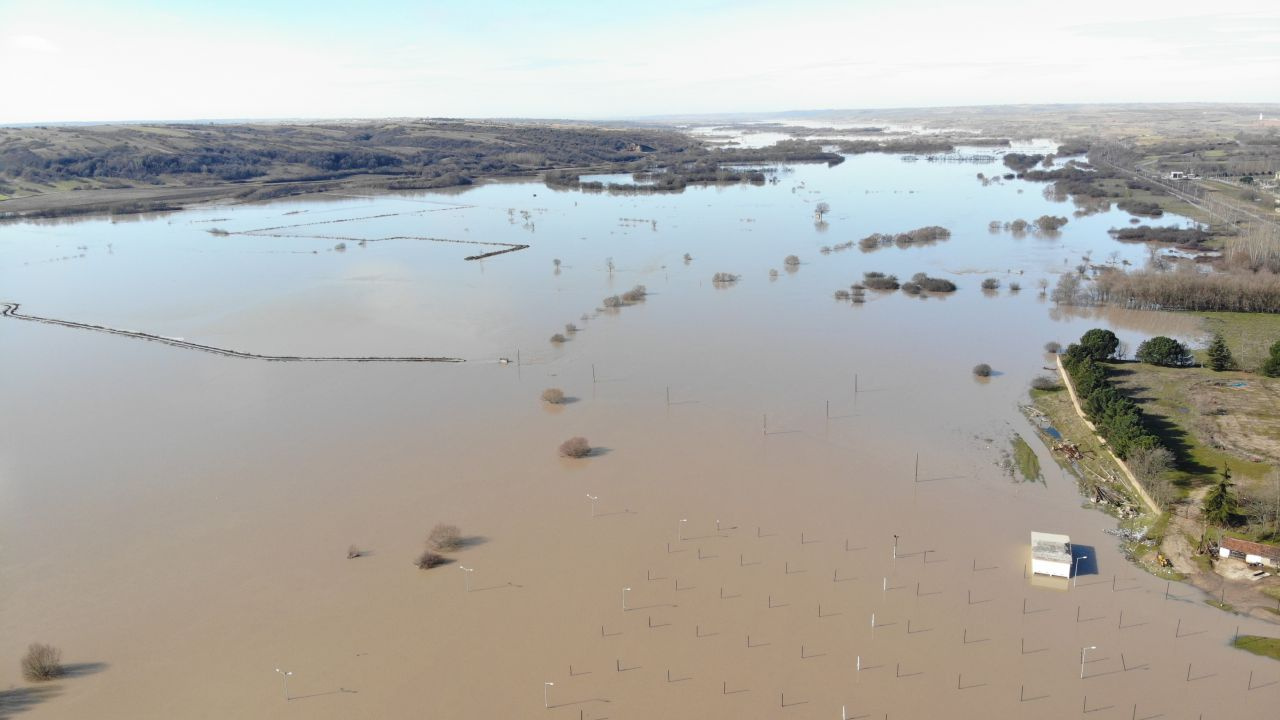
{"type": "Point", "coordinates": [177, 522]}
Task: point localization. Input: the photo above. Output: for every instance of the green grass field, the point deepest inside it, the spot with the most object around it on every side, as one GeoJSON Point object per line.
{"type": "Point", "coordinates": [1248, 335]}
{"type": "Point", "coordinates": [1182, 405]}
{"type": "Point", "coordinates": [1026, 460]}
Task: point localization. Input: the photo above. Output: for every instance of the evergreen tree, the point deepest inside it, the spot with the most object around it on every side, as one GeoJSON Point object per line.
{"type": "Point", "coordinates": [1271, 368]}
{"type": "Point", "coordinates": [1166, 351]}
{"type": "Point", "coordinates": [1099, 344]}
{"type": "Point", "coordinates": [1220, 504]}
{"type": "Point", "coordinates": [1219, 354]}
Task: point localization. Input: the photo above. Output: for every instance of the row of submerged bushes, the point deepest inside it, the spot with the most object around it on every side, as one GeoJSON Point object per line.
{"type": "Point", "coordinates": [920, 236]}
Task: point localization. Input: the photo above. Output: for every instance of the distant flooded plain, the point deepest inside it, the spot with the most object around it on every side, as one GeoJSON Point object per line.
{"type": "Point", "coordinates": [177, 522]}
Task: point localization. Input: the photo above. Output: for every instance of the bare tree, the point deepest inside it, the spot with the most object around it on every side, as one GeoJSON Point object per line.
{"type": "Point", "coordinates": [42, 662]}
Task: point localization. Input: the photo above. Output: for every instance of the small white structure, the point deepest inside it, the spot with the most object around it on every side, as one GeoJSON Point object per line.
{"type": "Point", "coordinates": [1050, 554]}
{"type": "Point", "coordinates": [1177, 175]}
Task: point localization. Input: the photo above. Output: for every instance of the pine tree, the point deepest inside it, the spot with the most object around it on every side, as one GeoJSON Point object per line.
{"type": "Point", "coordinates": [1219, 354]}
{"type": "Point", "coordinates": [1220, 504]}
{"type": "Point", "coordinates": [1271, 368]}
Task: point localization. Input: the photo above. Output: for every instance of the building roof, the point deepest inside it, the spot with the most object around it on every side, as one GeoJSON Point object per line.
{"type": "Point", "coordinates": [1050, 547]}
{"type": "Point", "coordinates": [1247, 547]}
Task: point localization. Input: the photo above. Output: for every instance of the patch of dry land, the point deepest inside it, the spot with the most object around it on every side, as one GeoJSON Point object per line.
{"type": "Point", "coordinates": [802, 495]}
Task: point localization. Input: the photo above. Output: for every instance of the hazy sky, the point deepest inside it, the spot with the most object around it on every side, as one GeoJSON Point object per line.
{"type": "Point", "coordinates": [137, 59]}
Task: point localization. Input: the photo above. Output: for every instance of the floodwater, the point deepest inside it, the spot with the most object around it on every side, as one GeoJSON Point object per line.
{"type": "Point", "coordinates": [177, 522]}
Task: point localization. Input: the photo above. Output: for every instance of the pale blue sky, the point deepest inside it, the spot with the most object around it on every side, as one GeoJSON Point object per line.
{"type": "Point", "coordinates": [81, 60]}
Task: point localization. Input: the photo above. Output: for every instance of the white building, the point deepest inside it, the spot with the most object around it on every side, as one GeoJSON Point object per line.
{"type": "Point", "coordinates": [1050, 554]}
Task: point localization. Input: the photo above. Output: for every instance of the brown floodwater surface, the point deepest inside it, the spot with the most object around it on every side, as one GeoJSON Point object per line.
{"type": "Point", "coordinates": [177, 523]}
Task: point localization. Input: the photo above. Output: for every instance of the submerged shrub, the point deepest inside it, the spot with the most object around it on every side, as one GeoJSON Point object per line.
{"type": "Point", "coordinates": [444, 537]}
{"type": "Point", "coordinates": [429, 559]}
{"type": "Point", "coordinates": [575, 447]}
{"type": "Point", "coordinates": [911, 288]}
{"type": "Point", "coordinates": [353, 552]}
{"type": "Point", "coordinates": [791, 260]}
{"type": "Point", "coordinates": [1053, 347]}
{"type": "Point", "coordinates": [982, 370]}
{"type": "Point", "coordinates": [1050, 223]}
{"type": "Point", "coordinates": [635, 294]}
{"type": "Point", "coordinates": [842, 295]}
{"type": "Point", "coordinates": [570, 328]}
{"type": "Point", "coordinates": [990, 284]}
{"type": "Point", "coordinates": [1045, 382]}
{"type": "Point", "coordinates": [555, 396]}
{"type": "Point", "coordinates": [1014, 287]}
{"type": "Point", "coordinates": [42, 662]}
{"type": "Point", "coordinates": [557, 338]}
{"type": "Point", "coordinates": [880, 281]}
{"type": "Point", "coordinates": [933, 284]}
{"type": "Point", "coordinates": [724, 277]}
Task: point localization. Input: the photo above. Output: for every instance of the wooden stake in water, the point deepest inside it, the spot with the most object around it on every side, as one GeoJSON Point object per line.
{"type": "Point", "coordinates": [593, 373]}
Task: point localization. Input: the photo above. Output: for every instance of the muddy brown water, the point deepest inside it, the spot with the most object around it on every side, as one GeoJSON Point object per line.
{"type": "Point", "coordinates": [177, 522]}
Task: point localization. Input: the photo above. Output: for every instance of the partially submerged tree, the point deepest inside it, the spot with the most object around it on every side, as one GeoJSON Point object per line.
{"type": "Point", "coordinates": [791, 261]}
{"type": "Point", "coordinates": [444, 537]}
{"type": "Point", "coordinates": [982, 370]}
{"type": "Point", "coordinates": [429, 559]}
{"type": "Point", "coordinates": [555, 396]}
{"type": "Point", "coordinates": [42, 662]}
{"type": "Point", "coordinates": [575, 447]}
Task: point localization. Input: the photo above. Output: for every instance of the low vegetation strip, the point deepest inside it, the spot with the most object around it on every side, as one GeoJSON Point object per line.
{"type": "Point", "coordinates": [10, 310]}
{"type": "Point", "coordinates": [1259, 645]}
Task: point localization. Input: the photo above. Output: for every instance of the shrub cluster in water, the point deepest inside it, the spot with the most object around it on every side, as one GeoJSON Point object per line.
{"type": "Point", "coordinates": [921, 282]}
{"type": "Point", "coordinates": [1146, 233]}
{"type": "Point", "coordinates": [1140, 207]}
{"type": "Point", "coordinates": [879, 281]}
{"type": "Point", "coordinates": [724, 278]}
{"type": "Point", "coordinates": [919, 236]}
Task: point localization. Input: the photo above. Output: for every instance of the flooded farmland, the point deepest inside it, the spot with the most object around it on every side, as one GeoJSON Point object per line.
{"type": "Point", "coordinates": [801, 493]}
